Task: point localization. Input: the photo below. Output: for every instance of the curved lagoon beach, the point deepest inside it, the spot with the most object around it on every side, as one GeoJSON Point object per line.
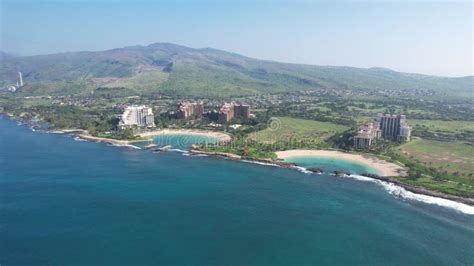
{"type": "Point", "coordinates": [179, 141]}
{"type": "Point", "coordinates": [332, 164]}
{"type": "Point", "coordinates": [362, 163]}
{"type": "Point", "coordinates": [66, 202]}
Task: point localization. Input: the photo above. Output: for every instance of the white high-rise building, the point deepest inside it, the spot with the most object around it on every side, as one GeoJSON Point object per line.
{"type": "Point", "coordinates": [141, 116]}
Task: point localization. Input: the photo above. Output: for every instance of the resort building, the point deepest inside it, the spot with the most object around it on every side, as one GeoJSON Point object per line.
{"type": "Point", "coordinates": [405, 132]}
{"type": "Point", "coordinates": [141, 116]}
{"type": "Point", "coordinates": [226, 113]}
{"type": "Point", "coordinates": [231, 110]}
{"type": "Point", "coordinates": [242, 111]}
{"type": "Point", "coordinates": [187, 109]}
{"type": "Point", "coordinates": [367, 135]}
{"type": "Point", "coordinates": [392, 127]}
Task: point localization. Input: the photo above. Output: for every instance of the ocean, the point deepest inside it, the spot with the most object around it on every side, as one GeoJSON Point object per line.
{"type": "Point", "coordinates": [68, 202]}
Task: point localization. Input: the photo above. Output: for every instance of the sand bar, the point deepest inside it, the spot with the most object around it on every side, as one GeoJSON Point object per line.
{"type": "Point", "coordinates": [383, 168]}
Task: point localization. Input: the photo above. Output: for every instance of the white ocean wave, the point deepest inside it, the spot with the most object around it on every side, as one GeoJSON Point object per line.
{"type": "Point", "coordinates": [405, 194]}
{"type": "Point", "coordinates": [126, 146]}
{"type": "Point", "coordinates": [199, 155]}
{"type": "Point", "coordinates": [79, 139]}
{"type": "Point", "coordinates": [55, 132]}
{"type": "Point", "coordinates": [178, 150]}
{"type": "Point", "coordinates": [260, 163]}
{"type": "Point", "coordinates": [302, 169]}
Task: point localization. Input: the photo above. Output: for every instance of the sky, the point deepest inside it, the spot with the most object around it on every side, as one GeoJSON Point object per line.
{"type": "Point", "coordinates": [428, 37]}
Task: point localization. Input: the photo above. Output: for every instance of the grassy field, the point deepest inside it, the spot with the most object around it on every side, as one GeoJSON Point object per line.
{"type": "Point", "coordinates": [447, 126]}
{"type": "Point", "coordinates": [453, 187]}
{"type": "Point", "coordinates": [453, 157]}
{"type": "Point", "coordinates": [287, 128]}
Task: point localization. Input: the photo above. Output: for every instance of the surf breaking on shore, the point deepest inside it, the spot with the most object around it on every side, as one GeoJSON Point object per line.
{"type": "Point", "coordinates": [394, 190]}
{"type": "Point", "coordinates": [405, 194]}
{"type": "Point", "coordinates": [382, 167]}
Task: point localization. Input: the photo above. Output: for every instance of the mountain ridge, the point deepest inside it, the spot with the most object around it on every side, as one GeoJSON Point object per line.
{"type": "Point", "coordinates": [181, 70]}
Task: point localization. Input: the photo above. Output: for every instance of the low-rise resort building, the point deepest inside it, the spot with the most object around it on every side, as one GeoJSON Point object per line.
{"type": "Point", "coordinates": [391, 127]}
{"type": "Point", "coordinates": [140, 116]}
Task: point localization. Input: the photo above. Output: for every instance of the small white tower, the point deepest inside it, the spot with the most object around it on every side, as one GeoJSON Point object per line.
{"type": "Point", "coordinates": [21, 79]}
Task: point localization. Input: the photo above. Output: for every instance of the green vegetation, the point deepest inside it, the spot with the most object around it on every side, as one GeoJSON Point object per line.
{"type": "Point", "coordinates": [456, 158]}
{"type": "Point", "coordinates": [282, 133]}
{"type": "Point", "coordinates": [444, 130]}
{"type": "Point", "coordinates": [244, 148]}
{"type": "Point", "coordinates": [313, 107]}
{"type": "Point", "coordinates": [182, 71]}
{"type": "Point", "coordinates": [294, 129]}
{"type": "Point", "coordinates": [145, 82]}
{"type": "Point", "coordinates": [424, 174]}
{"type": "Point", "coordinates": [446, 126]}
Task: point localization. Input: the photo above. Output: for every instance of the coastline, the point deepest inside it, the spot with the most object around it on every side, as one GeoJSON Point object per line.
{"type": "Point", "coordinates": [387, 179]}
{"type": "Point", "coordinates": [86, 136]}
{"type": "Point", "coordinates": [424, 191]}
{"type": "Point", "coordinates": [383, 168]}
{"type": "Point", "coordinates": [148, 136]}
{"type": "Point", "coordinates": [143, 137]}
{"type": "Point", "coordinates": [221, 136]}
{"type": "Point", "coordinates": [83, 134]}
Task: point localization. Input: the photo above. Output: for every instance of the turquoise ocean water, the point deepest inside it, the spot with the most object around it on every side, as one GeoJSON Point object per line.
{"type": "Point", "coordinates": [179, 141]}
{"type": "Point", "coordinates": [330, 165]}
{"type": "Point", "coordinates": [67, 202]}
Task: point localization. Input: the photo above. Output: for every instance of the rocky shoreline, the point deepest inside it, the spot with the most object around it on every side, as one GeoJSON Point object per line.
{"type": "Point", "coordinates": [423, 191]}
{"type": "Point", "coordinates": [392, 180]}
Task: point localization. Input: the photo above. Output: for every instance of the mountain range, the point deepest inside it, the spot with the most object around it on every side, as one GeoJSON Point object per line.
{"type": "Point", "coordinates": [178, 70]}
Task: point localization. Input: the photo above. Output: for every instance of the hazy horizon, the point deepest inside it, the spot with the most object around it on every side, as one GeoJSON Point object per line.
{"type": "Point", "coordinates": [423, 37]}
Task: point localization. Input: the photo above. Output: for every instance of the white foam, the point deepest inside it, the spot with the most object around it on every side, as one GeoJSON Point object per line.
{"type": "Point", "coordinates": [126, 146]}
{"type": "Point", "coordinates": [55, 132]}
{"type": "Point", "coordinates": [302, 169]}
{"type": "Point", "coordinates": [79, 139]}
{"type": "Point", "coordinates": [178, 150]}
{"type": "Point", "coordinates": [199, 155]}
{"type": "Point", "coordinates": [260, 163]}
{"type": "Point", "coordinates": [405, 194]}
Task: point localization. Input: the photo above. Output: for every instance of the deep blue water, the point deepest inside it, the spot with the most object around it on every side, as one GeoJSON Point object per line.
{"type": "Point", "coordinates": [66, 202]}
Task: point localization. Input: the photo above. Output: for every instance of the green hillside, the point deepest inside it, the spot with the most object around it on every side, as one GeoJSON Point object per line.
{"type": "Point", "coordinates": [179, 70]}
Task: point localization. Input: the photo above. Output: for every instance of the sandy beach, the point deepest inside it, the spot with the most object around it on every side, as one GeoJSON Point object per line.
{"type": "Point", "coordinates": [222, 137]}
{"type": "Point", "coordinates": [149, 135]}
{"type": "Point", "coordinates": [383, 168]}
